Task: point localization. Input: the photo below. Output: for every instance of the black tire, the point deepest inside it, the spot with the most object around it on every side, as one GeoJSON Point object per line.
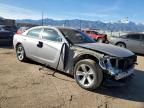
{"type": "Point", "coordinates": [20, 52]}
{"type": "Point", "coordinates": [121, 44]}
{"type": "Point", "coordinates": [96, 77]}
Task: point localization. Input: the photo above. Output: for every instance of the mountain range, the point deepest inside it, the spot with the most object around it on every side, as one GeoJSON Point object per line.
{"type": "Point", "coordinates": [76, 23]}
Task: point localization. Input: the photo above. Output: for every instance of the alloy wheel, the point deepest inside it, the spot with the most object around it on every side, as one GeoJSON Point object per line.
{"type": "Point", "coordinates": [20, 53]}
{"type": "Point", "coordinates": [85, 75]}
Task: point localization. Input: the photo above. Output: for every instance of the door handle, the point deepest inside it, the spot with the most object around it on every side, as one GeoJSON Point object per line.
{"type": "Point", "coordinates": [40, 44]}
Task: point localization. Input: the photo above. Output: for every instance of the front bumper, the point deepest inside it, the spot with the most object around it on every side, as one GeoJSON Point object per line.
{"type": "Point", "coordinates": [118, 68]}
{"type": "Point", "coordinates": [124, 74]}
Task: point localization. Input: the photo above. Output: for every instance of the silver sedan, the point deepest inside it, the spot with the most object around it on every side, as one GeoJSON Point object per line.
{"type": "Point", "coordinates": [74, 52]}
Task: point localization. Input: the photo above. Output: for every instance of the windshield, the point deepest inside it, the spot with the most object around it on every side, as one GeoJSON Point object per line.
{"type": "Point", "coordinates": [76, 37]}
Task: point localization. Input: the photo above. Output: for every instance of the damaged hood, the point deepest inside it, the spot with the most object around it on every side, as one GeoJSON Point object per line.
{"type": "Point", "coordinates": [107, 49]}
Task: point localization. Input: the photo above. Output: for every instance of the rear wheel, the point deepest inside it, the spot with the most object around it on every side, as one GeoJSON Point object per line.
{"type": "Point", "coordinates": [20, 52]}
{"type": "Point", "coordinates": [120, 44]}
{"type": "Point", "coordinates": [100, 40]}
{"type": "Point", "coordinates": [88, 74]}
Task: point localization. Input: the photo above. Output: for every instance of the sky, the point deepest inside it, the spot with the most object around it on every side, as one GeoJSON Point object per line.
{"type": "Point", "coordinates": [103, 10]}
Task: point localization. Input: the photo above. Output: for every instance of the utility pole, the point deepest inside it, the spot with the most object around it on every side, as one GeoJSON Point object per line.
{"type": "Point", "coordinates": [80, 24]}
{"type": "Point", "coordinates": [42, 19]}
{"type": "Point", "coordinates": [65, 23]}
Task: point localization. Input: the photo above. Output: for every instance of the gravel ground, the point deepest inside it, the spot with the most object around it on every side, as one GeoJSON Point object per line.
{"type": "Point", "coordinates": [22, 85]}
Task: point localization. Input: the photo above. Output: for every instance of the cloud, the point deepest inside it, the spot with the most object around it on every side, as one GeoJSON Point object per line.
{"type": "Point", "coordinates": [13, 12]}
{"type": "Point", "coordinates": [95, 12]}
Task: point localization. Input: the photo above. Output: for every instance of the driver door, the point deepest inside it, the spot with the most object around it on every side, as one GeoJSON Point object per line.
{"type": "Point", "coordinates": [52, 46]}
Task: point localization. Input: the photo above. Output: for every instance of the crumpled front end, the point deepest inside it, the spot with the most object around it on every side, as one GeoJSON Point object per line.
{"type": "Point", "coordinates": [118, 68]}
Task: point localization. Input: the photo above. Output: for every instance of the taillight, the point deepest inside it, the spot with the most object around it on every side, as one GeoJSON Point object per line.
{"type": "Point", "coordinates": [19, 32]}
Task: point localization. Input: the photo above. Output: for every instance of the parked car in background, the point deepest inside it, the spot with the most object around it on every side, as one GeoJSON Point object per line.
{"type": "Point", "coordinates": [75, 53]}
{"type": "Point", "coordinates": [12, 29]}
{"type": "Point", "coordinates": [22, 29]}
{"type": "Point", "coordinates": [96, 36]}
{"type": "Point", "coordinates": [132, 41]}
{"type": "Point", "coordinates": [6, 36]}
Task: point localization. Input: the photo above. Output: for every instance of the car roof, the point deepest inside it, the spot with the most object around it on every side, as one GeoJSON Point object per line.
{"type": "Point", "coordinates": [50, 27]}
{"type": "Point", "coordinates": [59, 27]}
{"type": "Point", "coordinates": [134, 33]}
{"type": "Point", "coordinates": [53, 27]}
{"type": "Point", "coordinates": [89, 30]}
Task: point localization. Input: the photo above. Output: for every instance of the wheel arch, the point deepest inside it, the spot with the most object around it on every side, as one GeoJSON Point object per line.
{"type": "Point", "coordinates": [85, 56]}
{"type": "Point", "coordinates": [82, 57]}
{"type": "Point", "coordinates": [18, 44]}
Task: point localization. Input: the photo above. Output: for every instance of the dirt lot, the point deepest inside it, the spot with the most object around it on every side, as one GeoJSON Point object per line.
{"type": "Point", "coordinates": [22, 85]}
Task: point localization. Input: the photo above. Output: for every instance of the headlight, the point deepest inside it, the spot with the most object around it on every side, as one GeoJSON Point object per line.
{"type": "Point", "coordinates": [106, 64]}
{"type": "Point", "coordinates": [103, 62]}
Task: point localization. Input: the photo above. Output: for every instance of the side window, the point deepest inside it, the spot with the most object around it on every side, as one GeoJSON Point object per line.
{"type": "Point", "coordinates": [34, 33]}
{"type": "Point", "coordinates": [123, 36]}
{"type": "Point", "coordinates": [142, 37]}
{"type": "Point", "coordinates": [88, 32]}
{"type": "Point", "coordinates": [95, 32]}
{"type": "Point", "coordinates": [92, 32]}
{"type": "Point", "coordinates": [134, 36]}
{"type": "Point", "coordinates": [50, 34]}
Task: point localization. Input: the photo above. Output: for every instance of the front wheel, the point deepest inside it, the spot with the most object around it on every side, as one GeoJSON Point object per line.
{"type": "Point", "coordinates": [20, 52]}
{"type": "Point", "coordinates": [88, 74]}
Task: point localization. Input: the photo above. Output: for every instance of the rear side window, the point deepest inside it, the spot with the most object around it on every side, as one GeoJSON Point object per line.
{"type": "Point", "coordinates": [134, 36]}
{"type": "Point", "coordinates": [50, 34]}
{"type": "Point", "coordinates": [34, 33]}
